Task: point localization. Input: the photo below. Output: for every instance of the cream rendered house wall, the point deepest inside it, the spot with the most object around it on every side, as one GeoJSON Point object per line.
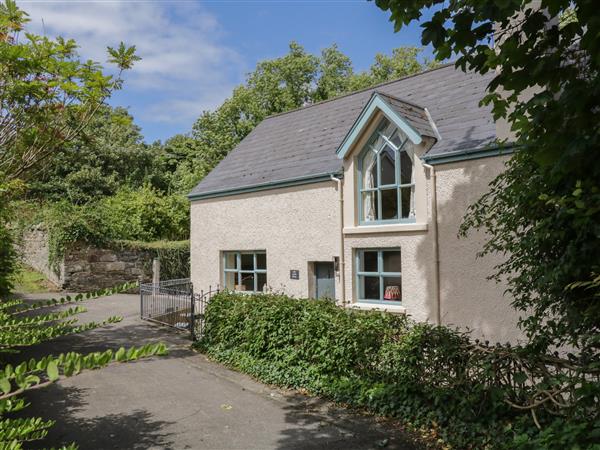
{"type": "Point", "coordinates": [295, 225]}
{"type": "Point", "coordinates": [468, 299]}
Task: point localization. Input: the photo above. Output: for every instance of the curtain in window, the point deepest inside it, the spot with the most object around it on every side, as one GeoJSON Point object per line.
{"type": "Point", "coordinates": [368, 181]}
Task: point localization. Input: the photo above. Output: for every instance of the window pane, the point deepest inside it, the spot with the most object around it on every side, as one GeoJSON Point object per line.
{"type": "Point", "coordinates": [391, 261]}
{"type": "Point", "coordinates": [369, 288]}
{"type": "Point", "coordinates": [262, 281]}
{"type": "Point", "coordinates": [230, 280]}
{"type": "Point", "coordinates": [369, 206]}
{"type": "Point", "coordinates": [397, 138]}
{"type": "Point", "coordinates": [387, 162]}
{"type": "Point", "coordinates": [261, 261]}
{"type": "Point", "coordinates": [392, 288]}
{"type": "Point", "coordinates": [368, 261]}
{"type": "Point", "coordinates": [406, 196]}
{"type": "Point", "coordinates": [247, 261]}
{"type": "Point", "coordinates": [406, 169]}
{"type": "Point", "coordinates": [389, 204]}
{"type": "Point", "coordinates": [230, 260]}
{"type": "Point", "coordinates": [247, 282]}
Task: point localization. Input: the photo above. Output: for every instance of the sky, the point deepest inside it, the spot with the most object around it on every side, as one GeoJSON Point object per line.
{"type": "Point", "coordinates": [195, 52]}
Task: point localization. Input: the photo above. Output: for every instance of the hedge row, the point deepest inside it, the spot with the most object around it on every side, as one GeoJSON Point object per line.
{"type": "Point", "coordinates": [429, 377]}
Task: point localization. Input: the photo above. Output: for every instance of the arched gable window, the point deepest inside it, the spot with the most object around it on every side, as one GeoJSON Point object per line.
{"type": "Point", "coordinates": [386, 180]}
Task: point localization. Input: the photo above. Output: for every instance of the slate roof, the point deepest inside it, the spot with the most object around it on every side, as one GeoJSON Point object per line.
{"type": "Point", "coordinates": [303, 142]}
{"type": "Point", "coordinates": [414, 114]}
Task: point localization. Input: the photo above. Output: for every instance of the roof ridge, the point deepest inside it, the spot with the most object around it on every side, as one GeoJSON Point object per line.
{"type": "Point", "coordinates": [385, 83]}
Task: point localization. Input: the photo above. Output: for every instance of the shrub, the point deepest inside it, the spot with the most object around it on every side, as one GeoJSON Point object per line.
{"type": "Point", "coordinates": [429, 376]}
{"type": "Point", "coordinates": [145, 214]}
{"type": "Point", "coordinates": [8, 259]}
{"type": "Point", "coordinates": [141, 215]}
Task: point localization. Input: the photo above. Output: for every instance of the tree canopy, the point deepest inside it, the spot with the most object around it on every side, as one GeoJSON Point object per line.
{"type": "Point", "coordinates": [544, 211]}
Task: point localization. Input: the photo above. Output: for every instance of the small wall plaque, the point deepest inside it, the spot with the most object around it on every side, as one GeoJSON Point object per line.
{"type": "Point", "coordinates": [294, 274]}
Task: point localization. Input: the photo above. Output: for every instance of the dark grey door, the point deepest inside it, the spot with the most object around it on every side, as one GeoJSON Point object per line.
{"type": "Point", "coordinates": [325, 280]}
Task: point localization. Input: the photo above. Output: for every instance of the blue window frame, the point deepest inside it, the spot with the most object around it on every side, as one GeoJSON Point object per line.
{"type": "Point", "coordinates": [385, 177]}
{"type": "Point", "coordinates": [378, 275]}
{"type": "Point", "coordinates": [245, 271]}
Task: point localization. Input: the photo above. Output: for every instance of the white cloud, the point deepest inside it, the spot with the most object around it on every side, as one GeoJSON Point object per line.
{"type": "Point", "coordinates": [185, 66]}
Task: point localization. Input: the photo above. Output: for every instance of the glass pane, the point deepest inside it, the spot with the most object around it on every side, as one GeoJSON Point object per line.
{"type": "Point", "coordinates": [230, 280]}
{"type": "Point", "coordinates": [230, 260]}
{"type": "Point", "coordinates": [407, 202]}
{"type": "Point", "coordinates": [369, 288]}
{"type": "Point", "coordinates": [406, 169]}
{"type": "Point", "coordinates": [261, 261]}
{"type": "Point", "coordinates": [368, 261]}
{"type": "Point", "coordinates": [387, 164]}
{"type": "Point", "coordinates": [392, 288]}
{"type": "Point", "coordinates": [389, 204]}
{"type": "Point", "coordinates": [247, 282]}
{"type": "Point", "coordinates": [262, 281]}
{"type": "Point", "coordinates": [397, 138]}
{"type": "Point", "coordinates": [369, 206]}
{"type": "Point", "coordinates": [247, 261]}
{"type": "Point", "coordinates": [391, 261]}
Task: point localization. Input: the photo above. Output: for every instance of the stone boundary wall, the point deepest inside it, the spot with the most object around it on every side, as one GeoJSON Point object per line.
{"type": "Point", "coordinates": [85, 268]}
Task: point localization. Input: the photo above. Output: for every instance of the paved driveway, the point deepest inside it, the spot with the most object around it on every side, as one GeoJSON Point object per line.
{"type": "Point", "coordinates": [184, 401]}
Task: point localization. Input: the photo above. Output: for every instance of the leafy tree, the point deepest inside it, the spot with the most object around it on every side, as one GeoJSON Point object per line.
{"type": "Point", "coordinates": [109, 153]}
{"type": "Point", "coordinates": [543, 212]}
{"type": "Point", "coordinates": [335, 74]}
{"type": "Point", "coordinates": [278, 85]}
{"type": "Point", "coordinates": [47, 94]}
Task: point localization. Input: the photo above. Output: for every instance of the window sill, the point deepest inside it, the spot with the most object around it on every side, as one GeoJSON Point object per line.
{"type": "Point", "coordinates": [397, 309]}
{"type": "Point", "coordinates": [393, 228]}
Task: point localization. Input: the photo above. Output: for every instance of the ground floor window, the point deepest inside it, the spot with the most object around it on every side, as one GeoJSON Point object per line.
{"type": "Point", "coordinates": [245, 270]}
{"type": "Point", "coordinates": [378, 275]}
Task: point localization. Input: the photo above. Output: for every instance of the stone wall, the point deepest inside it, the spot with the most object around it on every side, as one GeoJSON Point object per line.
{"type": "Point", "coordinates": [88, 268]}
{"type": "Point", "coordinates": [85, 268]}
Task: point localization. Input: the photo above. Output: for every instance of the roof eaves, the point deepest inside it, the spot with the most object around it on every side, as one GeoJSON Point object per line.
{"type": "Point", "coordinates": [297, 181]}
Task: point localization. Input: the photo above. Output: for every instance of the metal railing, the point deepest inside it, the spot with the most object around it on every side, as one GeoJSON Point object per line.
{"type": "Point", "coordinates": [173, 303]}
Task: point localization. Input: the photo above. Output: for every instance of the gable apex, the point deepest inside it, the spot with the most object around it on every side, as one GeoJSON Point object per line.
{"type": "Point", "coordinates": [412, 119]}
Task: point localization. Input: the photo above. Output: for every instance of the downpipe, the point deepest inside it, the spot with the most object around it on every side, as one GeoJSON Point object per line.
{"type": "Point", "coordinates": [338, 181]}
{"type": "Point", "coordinates": [436, 246]}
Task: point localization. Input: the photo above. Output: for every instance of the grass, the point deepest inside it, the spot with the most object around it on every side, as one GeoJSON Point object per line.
{"type": "Point", "coordinates": [30, 281]}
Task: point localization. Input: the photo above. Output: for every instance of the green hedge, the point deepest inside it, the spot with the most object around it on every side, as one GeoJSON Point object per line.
{"type": "Point", "coordinates": [430, 377]}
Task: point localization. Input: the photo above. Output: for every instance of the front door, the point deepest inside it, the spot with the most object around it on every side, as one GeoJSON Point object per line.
{"type": "Point", "coordinates": [325, 280]}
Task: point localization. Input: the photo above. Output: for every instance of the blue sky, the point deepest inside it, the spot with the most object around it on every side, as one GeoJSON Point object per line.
{"type": "Point", "coordinates": [195, 52]}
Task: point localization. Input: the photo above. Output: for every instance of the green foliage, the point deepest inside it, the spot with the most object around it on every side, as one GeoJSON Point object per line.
{"type": "Point", "coordinates": [278, 85]}
{"type": "Point", "coordinates": [8, 259]}
{"type": "Point", "coordinates": [48, 94]}
{"type": "Point", "coordinates": [543, 213]}
{"type": "Point", "coordinates": [144, 214]}
{"type": "Point", "coordinates": [23, 325]}
{"type": "Point", "coordinates": [472, 395]}
{"type": "Point", "coordinates": [108, 154]}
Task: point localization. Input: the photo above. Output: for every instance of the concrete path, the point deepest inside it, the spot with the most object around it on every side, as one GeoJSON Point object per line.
{"type": "Point", "coordinates": [184, 401]}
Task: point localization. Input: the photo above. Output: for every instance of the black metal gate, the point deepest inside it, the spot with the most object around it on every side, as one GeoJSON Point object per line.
{"type": "Point", "coordinates": [173, 303]}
